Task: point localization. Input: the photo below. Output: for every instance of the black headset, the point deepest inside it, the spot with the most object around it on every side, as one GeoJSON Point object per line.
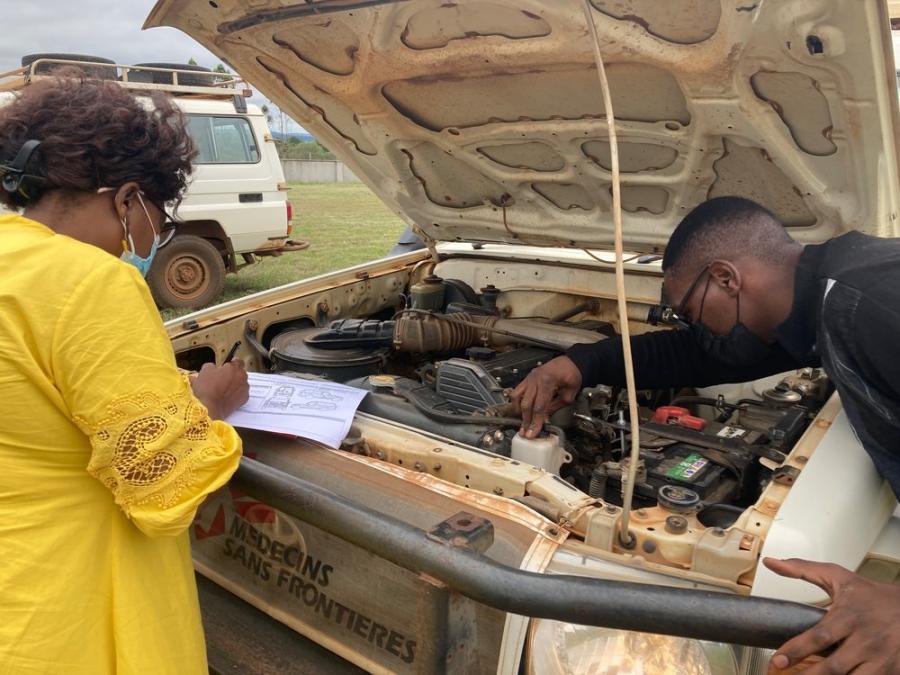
{"type": "Point", "coordinates": [16, 179]}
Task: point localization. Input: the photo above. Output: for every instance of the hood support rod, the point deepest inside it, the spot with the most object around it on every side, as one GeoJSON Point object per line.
{"type": "Point", "coordinates": [626, 538]}
{"type": "Point", "coordinates": [701, 615]}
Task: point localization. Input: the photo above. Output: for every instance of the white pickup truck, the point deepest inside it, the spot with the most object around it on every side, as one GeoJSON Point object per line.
{"type": "Point", "coordinates": [428, 543]}
{"type": "Point", "coordinates": [235, 208]}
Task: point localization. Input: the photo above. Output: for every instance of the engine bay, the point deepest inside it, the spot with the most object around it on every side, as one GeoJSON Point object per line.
{"type": "Point", "coordinates": [448, 359]}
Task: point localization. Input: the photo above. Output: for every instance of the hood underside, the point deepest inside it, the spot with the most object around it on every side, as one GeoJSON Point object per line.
{"type": "Point", "coordinates": [482, 120]}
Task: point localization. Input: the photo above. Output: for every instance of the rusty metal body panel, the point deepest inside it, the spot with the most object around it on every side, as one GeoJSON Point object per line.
{"type": "Point", "coordinates": [369, 611]}
{"type": "Point", "coordinates": [241, 638]}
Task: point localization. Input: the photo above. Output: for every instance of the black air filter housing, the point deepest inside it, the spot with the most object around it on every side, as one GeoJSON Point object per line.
{"type": "Point", "coordinates": [294, 351]}
{"type": "Point", "coordinates": [472, 386]}
{"type": "Point", "coordinates": [467, 386]}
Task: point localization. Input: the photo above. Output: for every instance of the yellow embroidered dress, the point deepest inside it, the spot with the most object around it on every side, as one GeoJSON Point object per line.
{"type": "Point", "coordinates": [104, 457]}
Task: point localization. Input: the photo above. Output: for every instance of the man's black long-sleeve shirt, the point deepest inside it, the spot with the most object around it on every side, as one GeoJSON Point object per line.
{"type": "Point", "coordinates": [845, 317]}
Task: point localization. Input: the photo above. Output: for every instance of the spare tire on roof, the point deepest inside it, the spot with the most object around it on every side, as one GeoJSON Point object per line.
{"type": "Point", "coordinates": [207, 79]}
{"type": "Point", "coordinates": [102, 72]}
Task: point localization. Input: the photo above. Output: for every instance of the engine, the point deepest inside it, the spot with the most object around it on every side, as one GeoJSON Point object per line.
{"type": "Point", "coordinates": [447, 363]}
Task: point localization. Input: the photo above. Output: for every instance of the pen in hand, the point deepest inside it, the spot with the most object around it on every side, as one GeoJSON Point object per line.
{"type": "Point", "coordinates": [232, 351]}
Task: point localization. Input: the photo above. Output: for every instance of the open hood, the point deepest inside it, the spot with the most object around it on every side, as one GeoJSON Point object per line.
{"type": "Point", "coordinates": [482, 120]}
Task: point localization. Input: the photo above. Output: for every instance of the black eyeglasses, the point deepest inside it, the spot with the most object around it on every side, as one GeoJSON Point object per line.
{"type": "Point", "coordinates": [676, 316]}
{"type": "Point", "coordinates": [169, 227]}
{"type": "Point", "coordinates": [690, 291]}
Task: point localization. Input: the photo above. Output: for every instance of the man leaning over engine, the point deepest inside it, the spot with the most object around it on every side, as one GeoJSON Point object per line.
{"type": "Point", "coordinates": [754, 303]}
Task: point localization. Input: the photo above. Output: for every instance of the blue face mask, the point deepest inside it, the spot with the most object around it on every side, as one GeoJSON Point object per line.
{"type": "Point", "coordinates": [131, 256]}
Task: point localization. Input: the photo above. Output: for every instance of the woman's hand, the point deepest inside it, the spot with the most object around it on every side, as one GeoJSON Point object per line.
{"type": "Point", "coordinates": [222, 389]}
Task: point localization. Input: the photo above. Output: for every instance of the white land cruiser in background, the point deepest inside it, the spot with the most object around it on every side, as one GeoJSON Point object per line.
{"type": "Point", "coordinates": [436, 539]}
{"type": "Point", "coordinates": [235, 208]}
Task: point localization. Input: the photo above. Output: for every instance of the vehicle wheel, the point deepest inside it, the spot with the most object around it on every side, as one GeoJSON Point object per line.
{"type": "Point", "coordinates": [187, 273]}
{"type": "Point", "coordinates": [101, 73]}
{"type": "Point", "coordinates": [199, 80]}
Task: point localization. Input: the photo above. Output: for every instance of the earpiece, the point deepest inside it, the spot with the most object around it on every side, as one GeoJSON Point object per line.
{"type": "Point", "coordinates": [15, 179]}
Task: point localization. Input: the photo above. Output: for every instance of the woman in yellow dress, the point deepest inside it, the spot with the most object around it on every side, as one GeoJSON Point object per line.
{"type": "Point", "coordinates": [106, 449]}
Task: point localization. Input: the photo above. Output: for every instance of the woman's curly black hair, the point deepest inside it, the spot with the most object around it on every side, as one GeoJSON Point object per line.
{"type": "Point", "coordinates": [93, 134]}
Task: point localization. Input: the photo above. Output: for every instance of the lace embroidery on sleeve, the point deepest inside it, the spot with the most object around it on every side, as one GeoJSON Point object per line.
{"type": "Point", "coordinates": [145, 447]}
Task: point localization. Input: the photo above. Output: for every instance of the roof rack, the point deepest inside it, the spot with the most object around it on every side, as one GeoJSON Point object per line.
{"type": "Point", "coordinates": [221, 85]}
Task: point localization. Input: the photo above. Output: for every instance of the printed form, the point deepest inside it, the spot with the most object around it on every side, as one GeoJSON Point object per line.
{"type": "Point", "coordinates": [321, 411]}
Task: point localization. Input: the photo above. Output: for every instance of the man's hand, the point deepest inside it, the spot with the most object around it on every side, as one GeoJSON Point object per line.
{"type": "Point", "coordinates": [860, 626]}
{"type": "Point", "coordinates": [546, 390]}
{"type": "Point", "coordinates": [222, 389]}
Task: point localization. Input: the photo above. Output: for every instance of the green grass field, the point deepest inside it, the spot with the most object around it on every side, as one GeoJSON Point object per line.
{"type": "Point", "coordinates": [345, 224]}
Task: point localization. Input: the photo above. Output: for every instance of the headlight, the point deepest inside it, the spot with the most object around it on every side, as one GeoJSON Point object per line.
{"type": "Point", "coordinates": [567, 649]}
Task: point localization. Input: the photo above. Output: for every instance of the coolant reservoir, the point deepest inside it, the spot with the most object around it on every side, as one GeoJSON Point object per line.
{"type": "Point", "coordinates": [544, 452]}
{"type": "Point", "coordinates": [427, 294]}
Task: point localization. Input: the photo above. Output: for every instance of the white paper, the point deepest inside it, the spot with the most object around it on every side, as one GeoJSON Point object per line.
{"type": "Point", "coordinates": [321, 411]}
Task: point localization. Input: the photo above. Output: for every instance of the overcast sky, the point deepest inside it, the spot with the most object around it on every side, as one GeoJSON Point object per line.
{"type": "Point", "coordinates": [111, 29]}
{"type": "Point", "coordinates": [98, 27]}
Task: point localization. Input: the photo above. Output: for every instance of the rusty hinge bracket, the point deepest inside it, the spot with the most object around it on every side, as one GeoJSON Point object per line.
{"type": "Point", "coordinates": [464, 531]}
{"type": "Point", "coordinates": [785, 475]}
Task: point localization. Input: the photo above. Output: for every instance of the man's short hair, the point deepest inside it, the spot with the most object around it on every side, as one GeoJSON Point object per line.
{"type": "Point", "coordinates": [725, 228]}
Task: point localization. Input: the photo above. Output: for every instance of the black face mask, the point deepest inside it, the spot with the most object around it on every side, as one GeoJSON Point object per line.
{"type": "Point", "coordinates": [741, 347]}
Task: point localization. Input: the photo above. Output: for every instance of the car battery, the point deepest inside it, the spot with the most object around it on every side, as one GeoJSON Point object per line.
{"type": "Point", "coordinates": [677, 464]}
{"type": "Point", "coordinates": [688, 466]}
